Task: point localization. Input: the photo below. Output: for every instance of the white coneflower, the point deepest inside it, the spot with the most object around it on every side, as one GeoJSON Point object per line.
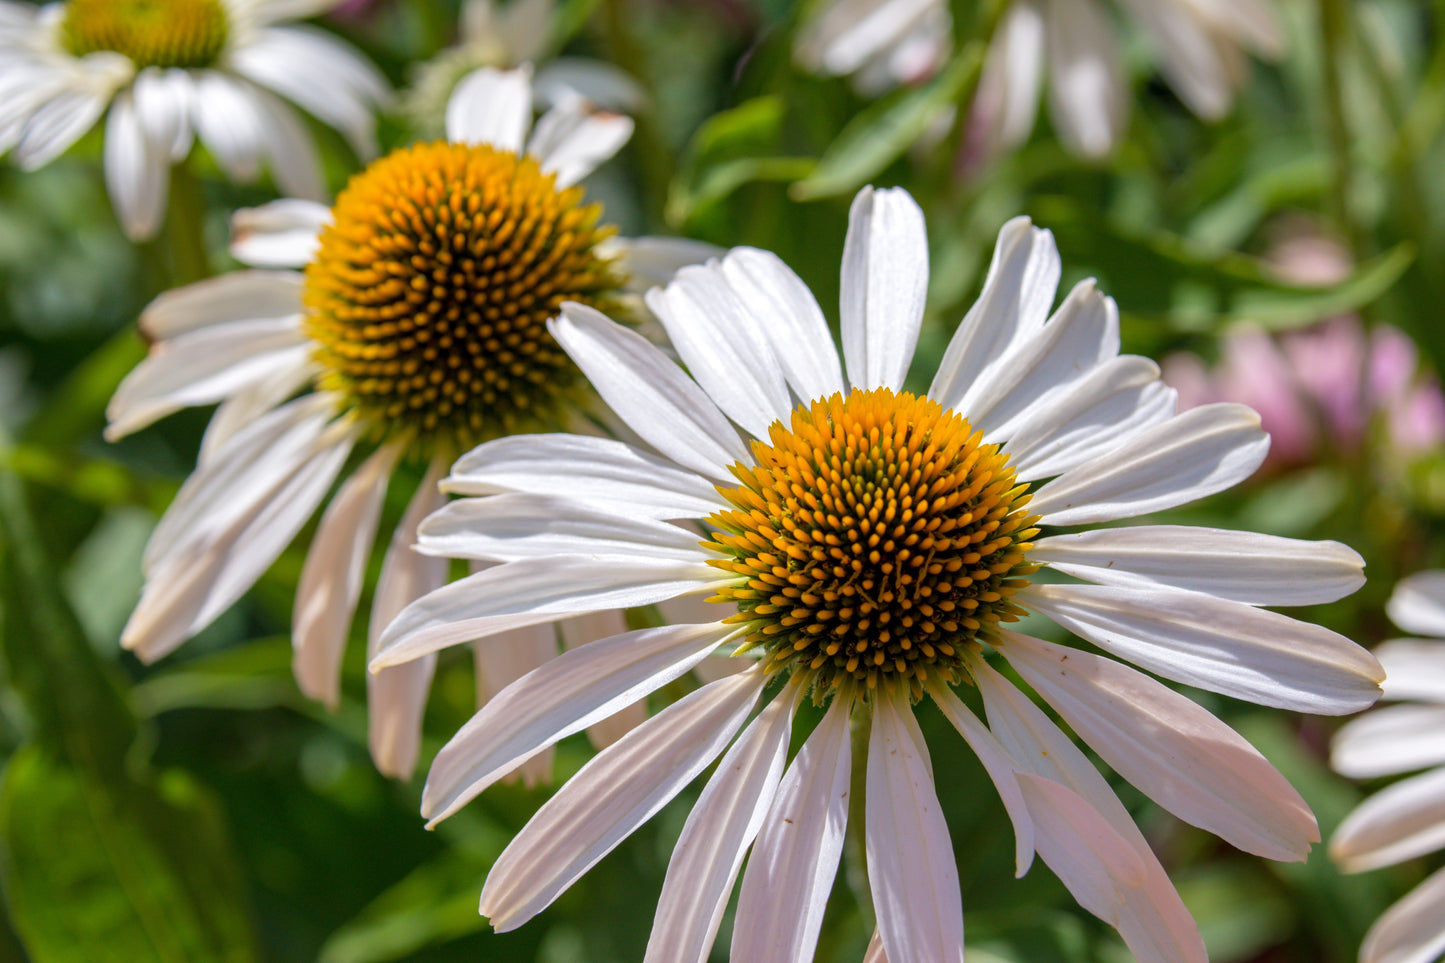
{"type": "Point", "coordinates": [170, 71]}
{"type": "Point", "coordinates": [1405, 819]}
{"type": "Point", "coordinates": [419, 325]}
{"type": "Point", "coordinates": [866, 547]}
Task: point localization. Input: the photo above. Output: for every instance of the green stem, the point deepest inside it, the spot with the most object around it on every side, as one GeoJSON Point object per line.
{"type": "Point", "coordinates": [1334, 29]}
{"type": "Point", "coordinates": [183, 239]}
{"type": "Point", "coordinates": [649, 149]}
{"type": "Point", "coordinates": [855, 849]}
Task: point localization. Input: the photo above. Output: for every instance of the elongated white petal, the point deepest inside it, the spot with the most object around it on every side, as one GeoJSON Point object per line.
{"type": "Point", "coordinates": [202, 367]}
{"type": "Point", "coordinates": [791, 869]}
{"type": "Point", "coordinates": [294, 162]}
{"type": "Point", "coordinates": [1243, 566]}
{"type": "Point", "coordinates": [911, 866]}
{"type": "Point", "coordinates": [617, 791]}
{"type": "Point", "coordinates": [491, 106]}
{"type": "Point", "coordinates": [503, 659]}
{"type": "Point", "coordinates": [331, 577]}
{"type": "Point", "coordinates": [396, 697]}
{"type": "Point", "coordinates": [596, 471]}
{"type": "Point", "coordinates": [847, 34]}
{"type": "Point", "coordinates": [1193, 59]}
{"type": "Point", "coordinates": [716, 836]}
{"type": "Point", "coordinates": [885, 282]}
{"type": "Point", "coordinates": [1087, 100]}
{"type": "Point", "coordinates": [229, 124]}
{"type": "Point", "coordinates": [1410, 931]}
{"type": "Point", "coordinates": [589, 627]}
{"type": "Point", "coordinates": [564, 78]}
{"type": "Point", "coordinates": [58, 122]}
{"type": "Point", "coordinates": [1414, 668]}
{"type": "Point", "coordinates": [1390, 740]}
{"type": "Point", "coordinates": [1179, 754]}
{"type": "Point", "coordinates": [528, 592]}
{"type": "Point", "coordinates": [163, 106]}
{"type": "Point", "coordinates": [1400, 822]}
{"type": "Point", "coordinates": [284, 233]}
{"type": "Point", "coordinates": [794, 323]}
{"type": "Point", "coordinates": [649, 392]}
{"type": "Point", "coordinates": [724, 345]}
{"type": "Point", "coordinates": [239, 296]}
{"type": "Point", "coordinates": [137, 170]}
{"type": "Point", "coordinates": [1219, 645]}
{"type": "Point", "coordinates": [646, 262]}
{"type": "Point", "coordinates": [575, 137]}
{"type": "Point", "coordinates": [292, 371]}
{"type": "Point", "coordinates": [566, 695]}
{"type": "Point", "coordinates": [1418, 603]}
{"type": "Point", "coordinates": [1013, 74]}
{"type": "Point", "coordinates": [875, 952]}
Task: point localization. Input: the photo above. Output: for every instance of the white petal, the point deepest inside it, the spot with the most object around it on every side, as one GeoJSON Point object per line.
{"type": "Point", "coordinates": [791, 869]}
{"type": "Point", "coordinates": [885, 284]}
{"type": "Point", "coordinates": [528, 592]}
{"type": "Point", "coordinates": [1390, 740]}
{"type": "Point", "coordinates": [574, 138]}
{"type": "Point", "coordinates": [331, 577]}
{"type": "Point", "coordinates": [875, 952]}
{"type": "Point", "coordinates": [163, 106]}
{"type": "Point", "coordinates": [289, 375]}
{"type": "Point", "coordinates": [1179, 754]}
{"type": "Point", "coordinates": [1418, 603]}
{"type": "Point", "coordinates": [596, 471]}
{"type": "Point", "coordinates": [1014, 72]}
{"type": "Point", "coordinates": [229, 124]}
{"type": "Point", "coordinates": [717, 835]}
{"type": "Point", "coordinates": [58, 123]}
{"type": "Point", "coordinates": [596, 80]}
{"type": "Point", "coordinates": [617, 791]}
{"type": "Point", "coordinates": [500, 661]}
{"type": "Point", "coordinates": [649, 392]}
{"type": "Point", "coordinates": [491, 106]}
{"type": "Point", "coordinates": [137, 171]}
{"type": "Point", "coordinates": [1228, 647]}
{"type": "Point", "coordinates": [295, 165]}
{"type": "Point", "coordinates": [1086, 90]}
{"type": "Point", "coordinates": [649, 261]}
{"type": "Point", "coordinates": [1400, 822]}
{"type": "Point", "coordinates": [1414, 668]}
{"type": "Point", "coordinates": [284, 233]}
{"type": "Point", "coordinates": [1254, 23]}
{"type": "Point", "coordinates": [566, 695]}
{"type": "Point", "coordinates": [1196, 453]}
{"type": "Point", "coordinates": [239, 296]}
{"type": "Point", "coordinates": [1242, 566]}
{"type": "Point", "coordinates": [850, 33]}
{"type": "Point", "coordinates": [1410, 931]}
{"type": "Point", "coordinates": [578, 631]}
{"type": "Point", "coordinates": [1017, 294]}
{"type": "Point", "coordinates": [1190, 55]}
{"type": "Point", "coordinates": [911, 866]}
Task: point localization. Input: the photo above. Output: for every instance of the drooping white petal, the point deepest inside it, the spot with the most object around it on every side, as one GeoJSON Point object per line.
{"type": "Point", "coordinates": [229, 124]}
{"type": "Point", "coordinates": [646, 262]}
{"type": "Point", "coordinates": [1017, 294]}
{"type": "Point", "coordinates": [1418, 603]}
{"type": "Point", "coordinates": [295, 165]}
{"type": "Point", "coordinates": [1242, 566]}
{"type": "Point", "coordinates": [284, 233]}
{"type": "Point", "coordinates": [1390, 740]}
{"type": "Point", "coordinates": [911, 866]}
{"type": "Point", "coordinates": [491, 106]}
{"type": "Point", "coordinates": [1179, 754]}
{"type": "Point", "coordinates": [1086, 87]}
{"type": "Point", "coordinates": [885, 283]}
{"type": "Point", "coordinates": [503, 659]}
{"type": "Point", "coordinates": [288, 376]}
{"type": "Point", "coordinates": [566, 695]}
{"type": "Point", "coordinates": [137, 170]}
{"type": "Point", "coordinates": [716, 836]}
{"type": "Point", "coordinates": [596, 471]}
{"type": "Point", "coordinates": [1414, 668]}
{"type": "Point", "coordinates": [239, 296]}
{"type": "Point", "coordinates": [790, 872]}
{"type": "Point", "coordinates": [1196, 453]}
{"type": "Point", "coordinates": [1219, 645]}
{"type": "Point", "coordinates": [1254, 23]}
{"type": "Point", "coordinates": [1410, 931]}
{"type": "Point", "coordinates": [649, 392]}
{"type": "Point", "coordinates": [1400, 822]}
{"type": "Point", "coordinates": [849, 33]}
{"type": "Point", "coordinates": [58, 122]}
{"type": "Point", "coordinates": [331, 577]}
{"type": "Point", "coordinates": [589, 627]}
{"type": "Point", "coordinates": [1013, 74]}
{"type": "Point", "coordinates": [617, 791]}
{"type": "Point", "coordinates": [1192, 58]}
{"type": "Point", "coordinates": [163, 107]}
{"type": "Point", "coordinates": [575, 137]}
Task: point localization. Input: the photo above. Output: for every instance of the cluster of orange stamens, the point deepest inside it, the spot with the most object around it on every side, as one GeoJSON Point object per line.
{"type": "Point", "coordinates": [152, 33]}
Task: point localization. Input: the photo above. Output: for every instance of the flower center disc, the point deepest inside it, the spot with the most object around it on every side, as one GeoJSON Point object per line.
{"type": "Point", "coordinates": [875, 539]}
{"type": "Point", "coordinates": [430, 294]}
{"type": "Point", "coordinates": [152, 33]}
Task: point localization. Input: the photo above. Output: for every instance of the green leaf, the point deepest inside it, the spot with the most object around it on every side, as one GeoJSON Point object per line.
{"type": "Point", "coordinates": [880, 134]}
{"type": "Point", "coordinates": [733, 148]}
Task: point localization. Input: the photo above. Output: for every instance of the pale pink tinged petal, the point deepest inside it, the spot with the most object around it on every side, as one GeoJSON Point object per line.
{"type": "Point", "coordinates": [58, 123]}
{"type": "Point", "coordinates": [1242, 566]}
{"type": "Point", "coordinates": [579, 631]}
{"type": "Point", "coordinates": [503, 659]}
{"type": "Point", "coordinates": [724, 346]}
{"type": "Point", "coordinates": [1179, 754]}
{"type": "Point", "coordinates": [1228, 647]}
{"type": "Point", "coordinates": [597, 471]}
{"type": "Point", "coordinates": [1017, 294]}
{"type": "Point", "coordinates": [203, 367]}
{"type": "Point", "coordinates": [1192, 58]}
{"type": "Point", "coordinates": [875, 952]}
{"type": "Point", "coordinates": [137, 171]}
{"type": "Point", "coordinates": [284, 233]}
{"type": "Point", "coordinates": [1015, 72]}
{"type": "Point", "coordinates": [229, 124]}
{"type": "Point", "coordinates": [911, 866]}
{"type": "Point", "coordinates": [1087, 99]}
{"type": "Point", "coordinates": [1418, 603]}
{"type": "Point", "coordinates": [396, 697]}
{"type": "Point", "coordinates": [1390, 740]}
{"type": "Point", "coordinates": [528, 592]}
{"type": "Point", "coordinates": [617, 791]}
{"type": "Point", "coordinates": [717, 834]}
{"type": "Point", "coordinates": [716, 667]}
{"type": "Point", "coordinates": [574, 138]}
{"type": "Point", "coordinates": [885, 283]}
{"type": "Point", "coordinates": [1080, 336]}
{"type": "Point", "coordinates": [1401, 821]}
{"type": "Point", "coordinates": [598, 81]}
{"type": "Point", "coordinates": [999, 765]}
{"type": "Point", "coordinates": [849, 33]}
{"type": "Point", "coordinates": [566, 695]}
{"type": "Point", "coordinates": [650, 392]}
{"type": "Point", "coordinates": [1410, 931]}
{"type": "Point", "coordinates": [491, 106]}
{"type": "Point", "coordinates": [794, 323]}
{"type": "Point", "coordinates": [1414, 668]}
{"type": "Point", "coordinates": [239, 296]}
{"type": "Point", "coordinates": [1196, 453]}
{"type": "Point", "coordinates": [289, 375]}
{"type": "Point", "coordinates": [163, 106]}
{"type": "Point", "coordinates": [1109, 406]}
{"type": "Point", "coordinates": [295, 165]}
{"type": "Point", "coordinates": [331, 577]}
{"type": "Point", "coordinates": [790, 872]}
{"type": "Point", "coordinates": [646, 262]}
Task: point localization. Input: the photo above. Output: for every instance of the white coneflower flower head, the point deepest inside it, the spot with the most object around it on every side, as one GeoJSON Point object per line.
{"type": "Point", "coordinates": [869, 547]}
